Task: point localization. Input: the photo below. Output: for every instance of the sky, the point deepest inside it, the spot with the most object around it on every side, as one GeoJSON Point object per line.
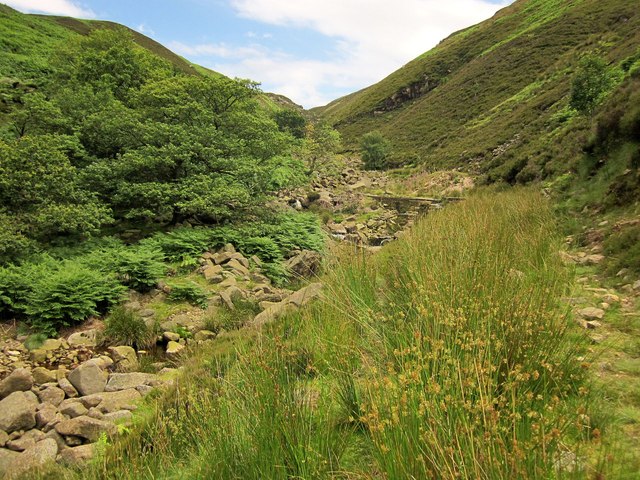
{"type": "Point", "coordinates": [312, 51]}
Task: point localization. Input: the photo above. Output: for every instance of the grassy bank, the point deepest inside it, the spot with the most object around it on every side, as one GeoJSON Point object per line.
{"type": "Point", "coordinates": [448, 355]}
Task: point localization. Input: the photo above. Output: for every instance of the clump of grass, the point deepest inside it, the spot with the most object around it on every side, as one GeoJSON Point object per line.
{"type": "Point", "coordinates": [227, 319]}
{"type": "Point", "coordinates": [35, 341]}
{"type": "Point", "coordinates": [190, 292]}
{"type": "Point", "coordinates": [124, 326]}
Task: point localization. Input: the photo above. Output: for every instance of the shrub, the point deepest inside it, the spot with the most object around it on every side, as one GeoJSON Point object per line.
{"type": "Point", "coordinates": [190, 292]}
{"type": "Point", "coordinates": [69, 294]}
{"type": "Point", "coordinates": [264, 248]}
{"type": "Point", "coordinates": [126, 327]}
{"type": "Point", "coordinates": [35, 341]}
{"type": "Point", "coordinates": [15, 287]}
{"type": "Point", "coordinates": [591, 83]}
{"type": "Point", "coordinates": [140, 268]}
{"type": "Point", "coordinates": [180, 243]}
{"type": "Point", "coordinates": [374, 149]}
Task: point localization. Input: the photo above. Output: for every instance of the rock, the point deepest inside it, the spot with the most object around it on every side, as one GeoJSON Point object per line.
{"type": "Point", "coordinates": [235, 293]}
{"type": "Point", "coordinates": [256, 261]}
{"type": "Point", "coordinates": [95, 413]}
{"type": "Point", "coordinates": [124, 381]}
{"type": "Point", "coordinates": [222, 258]}
{"type": "Point", "coordinates": [20, 380]}
{"type": "Point", "coordinates": [77, 455]}
{"type": "Point", "coordinates": [6, 459]}
{"type": "Point", "coordinates": [27, 440]}
{"type": "Point", "coordinates": [610, 298]}
{"type": "Point", "coordinates": [306, 264]}
{"type": "Point", "coordinates": [73, 408]}
{"type": "Point", "coordinates": [43, 375]}
{"type": "Point", "coordinates": [591, 313]}
{"type": "Point", "coordinates": [636, 286]}
{"type": "Point", "coordinates": [46, 414]}
{"type": "Point", "coordinates": [125, 358]}
{"type": "Point", "coordinates": [118, 416]}
{"type": "Point", "coordinates": [18, 412]}
{"type": "Point", "coordinates": [174, 348]}
{"type": "Point", "coordinates": [171, 336]}
{"type": "Point", "coordinates": [38, 355]}
{"type": "Point", "coordinates": [51, 344]}
{"type": "Point", "coordinates": [67, 387]}
{"type": "Point", "coordinates": [593, 324]}
{"type": "Point", "coordinates": [37, 456]}
{"type": "Point", "coordinates": [88, 378]}
{"type": "Point", "coordinates": [204, 335]}
{"type": "Point", "coordinates": [212, 271]}
{"type": "Point", "coordinates": [113, 401]}
{"type": "Point", "coordinates": [57, 438]}
{"type": "Point", "coordinates": [4, 438]}
{"type": "Point", "coordinates": [147, 313]}
{"type": "Point", "coordinates": [85, 427]}
{"type": "Point", "coordinates": [305, 295]}
{"type": "Point", "coordinates": [229, 248]}
{"type": "Point", "coordinates": [226, 299]}
{"type": "Point", "coordinates": [88, 338]}
{"type": "Point", "coordinates": [52, 395]}
{"type": "Point", "coordinates": [234, 264]}
{"type": "Point", "coordinates": [594, 259]}
{"type": "Point", "coordinates": [272, 313]}
{"type": "Point", "coordinates": [229, 281]}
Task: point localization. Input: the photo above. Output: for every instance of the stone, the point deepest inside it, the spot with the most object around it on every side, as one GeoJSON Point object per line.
{"type": "Point", "coordinates": [144, 389]}
{"type": "Point", "coordinates": [43, 375]}
{"type": "Point", "coordinates": [226, 299]}
{"type": "Point", "coordinates": [234, 264]}
{"type": "Point", "coordinates": [125, 358]}
{"type": "Point", "coordinates": [171, 336]}
{"type": "Point", "coordinates": [88, 378]}
{"type": "Point", "coordinates": [51, 344]}
{"type": "Point", "coordinates": [235, 293]}
{"type": "Point", "coordinates": [593, 324]}
{"type": "Point", "coordinates": [27, 440]}
{"type": "Point", "coordinates": [222, 258]}
{"type": "Point", "coordinates": [45, 415]}
{"type": "Point", "coordinates": [305, 264]}
{"type": "Point", "coordinates": [6, 459]}
{"type": "Point", "coordinates": [4, 438]}
{"type": "Point", "coordinates": [212, 271]}
{"type": "Point", "coordinates": [66, 386]}
{"type": "Point", "coordinates": [87, 338]}
{"type": "Point", "coordinates": [147, 313]}
{"type": "Point", "coordinates": [241, 259]}
{"type": "Point", "coordinates": [118, 416]}
{"type": "Point", "coordinates": [37, 456]}
{"type": "Point", "coordinates": [73, 408]}
{"type": "Point", "coordinates": [84, 427]}
{"type": "Point", "coordinates": [610, 298]}
{"type": "Point", "coordinates": [229, 248]}
{"type": "Point", "coordinates": [204, 335]}
{"type": "Point", "coordinates": [95, 412]}
{"type": "Point", "coordinates": [18, 412]}
{"type": "Point", "coordinates": [52, 395]}
{"type": "Point", "coordinates": [124, 381]}
{"type": "Point", "coordinates": [38, 355]}
{"type": "Point", "coordinates": [305, 295]}
{"type": "Point", "coordinates": [256, 261]}
{"type": "Point", "coordinates": [20, 380]}
{"type": "Point", "coordinates": [57, 438]}
{"type": "Point", "coordinates": [591, 313]}
{"type": "Point", "coordinates": [174, 348]}
{"type": "Point", "coordinates": [113, 401]}
{"type": "Point", "coordinates": [594, 259]}
{"type": "Point", "coordinates": [77, 455]}
{"type": "Point", "coordinates": [636, 286]}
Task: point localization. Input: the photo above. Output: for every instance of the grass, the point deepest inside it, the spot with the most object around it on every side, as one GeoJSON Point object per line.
{"type": "Point", "coordinates": [448, 355]}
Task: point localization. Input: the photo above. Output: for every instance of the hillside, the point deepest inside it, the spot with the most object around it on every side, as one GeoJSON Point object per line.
{"type": "Point", "coordinates": [492, 98]}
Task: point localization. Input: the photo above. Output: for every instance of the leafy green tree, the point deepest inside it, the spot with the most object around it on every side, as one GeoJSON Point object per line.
{"type": "Point", "coordinates": [321, 144]}
{"type": "Point", "coordinates": [375, 149]}
{"type": "Point", "coordinates": [291, 121]}
{"type": "Point", "coordinates": [591, 83]}
{"type": "Point", "coordinates": [37, 115]}
{"type": "Point", "coordinates": [39, 189]}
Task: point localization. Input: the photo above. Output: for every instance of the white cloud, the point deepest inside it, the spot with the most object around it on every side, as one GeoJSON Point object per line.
{"type": "Point", "coordinates": [143, 28]}
{"type": "Point", "coordinates": [368, 40]}
{"type": "Point", "coordinates": [67, 8]}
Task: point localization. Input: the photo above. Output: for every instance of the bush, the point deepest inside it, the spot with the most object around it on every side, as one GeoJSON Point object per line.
{"type": "Point", "coordinates": [15, 287]}
{"type": "Point", "coordinates": [189, 292]}
{"type": "Point", "coordinates": [374, 149]}
{"type": "Point", "coordinates": [126, 327]}
{"type": "Point", "coordinates": [140, 268]}
{"type": "Point", "coordinates": [68, 295]}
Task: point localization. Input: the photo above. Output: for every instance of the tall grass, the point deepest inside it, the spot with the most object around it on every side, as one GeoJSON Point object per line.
{"type": "Point", "coordinates": [448, 355]}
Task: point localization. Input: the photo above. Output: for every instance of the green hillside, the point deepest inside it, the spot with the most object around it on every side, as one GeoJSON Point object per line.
{"type": "Point", "coordinates": [501, 84]}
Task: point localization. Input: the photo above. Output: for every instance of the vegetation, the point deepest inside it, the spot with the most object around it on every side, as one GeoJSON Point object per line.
{"type": "Point", "coordinates": [374, 150]}
{"type": "Point", "coordinates": [591, 82]}
{"type": "Point", "coordinates": [347, 387]}
{"type": "Point", "coordinates": [123, 326]}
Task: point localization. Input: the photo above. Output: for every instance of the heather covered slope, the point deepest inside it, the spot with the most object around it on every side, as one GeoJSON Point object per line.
{"type": "Point", "coordinates": [493, 98]}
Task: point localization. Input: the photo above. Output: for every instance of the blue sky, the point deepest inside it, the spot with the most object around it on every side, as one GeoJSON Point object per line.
{"type": "Point", "coordinates": [312, 51]}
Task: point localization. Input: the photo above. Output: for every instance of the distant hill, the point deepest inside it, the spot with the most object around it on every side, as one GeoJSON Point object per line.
{"type": "Point", "coordinates": [493, 98]}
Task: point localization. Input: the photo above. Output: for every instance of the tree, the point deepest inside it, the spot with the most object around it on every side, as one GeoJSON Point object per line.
{"type": "Point", "coordinates": [591, 83]}
{"type": "Point", "coordinates": [321, 143]}
{"type": "Point", "coordinates": [291, 121]}
{"type": "Point", "coordinates": [374, 149]}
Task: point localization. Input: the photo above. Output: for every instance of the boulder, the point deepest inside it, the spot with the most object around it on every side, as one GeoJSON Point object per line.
{"type": "Point", "coordinates": [204, 335]}
{"type": "Point", "coordinates": [222, 258]}
{"type": "Point", "coordinates": [73, 408]}
{"type": "Point", "coordinates": [38, 355]}
{"type": "Point", "coordinates": [52, 395]}
{"type": "Point", "coordinates": [6, 459]}
{"type": "Point", "coordinates": [118, 416]}
{"type": "Point", "coordinates": [125, 358]}
{"type": "Point", "coordinates": [84, 427]}
{"type": "Point", "coordinates": [174, 348]}
{"type": "Point", "coordinates": [212, 271]}
{"type": "Point", "coordinates": [18, 412]}
{"type": "Point", "coordinates": [226, 299]}
{"type": "Point", "coordinates": [4, 438]}
{"type": "Point", "coordinates": [67, 387]}
{"type": "Point", "coordinates": [51, 344]}
{"type": "Point", "coordinates": [20, 380]}
{"type": "Point", "coordinates": [235, 293]}
{"type": "Point", "coordinates": [113, 401]}
{"type": "Point", "coordinates": [87, 338]}
{"type": "Point", "coordinates": [37, 456]}
{"type": "Point", "coordinates": [238, 267]}
{"type": "Point", "coordinates": [25, 441]}
{"type": "Point", "coordinates": [124, 381]}
{"type": "Point", "coordinates": [289, 304]}
{"type": "Point", "coordinates": [171, 336]}
{"type": "Point", "coordinates": [305, 264]}
{"type": "Point", "coordinates": [46, 415]}
{"type": "Point", "coordinates": [88, 378]}
{"type": "Point", "coordinates": [591, 313]}
{"type": "Point", "coordinates": [77, 455]}
{"type": "Point", "coordinates": [43, 375]}
{"type": "Point", "coordinates": [305, 295]}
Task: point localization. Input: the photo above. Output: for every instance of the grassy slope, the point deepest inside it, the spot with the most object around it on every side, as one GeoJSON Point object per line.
{"type": "Point", "coordinates": [500, 81]}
